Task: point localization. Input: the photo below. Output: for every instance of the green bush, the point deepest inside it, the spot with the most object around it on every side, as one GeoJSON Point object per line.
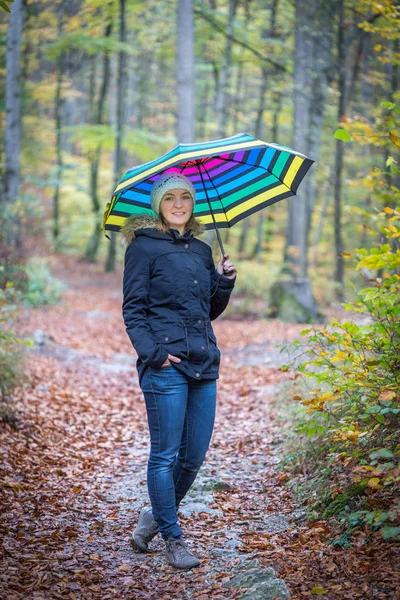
{"type": "Point", "coordinates": [12, 353]}
{"type": "Point", "coordinates": [353, 406]}
{"type": "Point", "coordinates": [41, 288]}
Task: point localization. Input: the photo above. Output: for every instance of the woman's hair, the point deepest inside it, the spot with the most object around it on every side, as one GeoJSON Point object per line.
{"type": "Point", "coordinates": [164, 226]}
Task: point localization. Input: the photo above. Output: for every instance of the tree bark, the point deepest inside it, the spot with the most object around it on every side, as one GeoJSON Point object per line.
{"type": "Point", "coordinates": [259, 126]}
{"type": "Point", "coordinates": [319, 228]}
{"type": "Point", "coordinates": [224, 71]}
{"type": "Point", "coordinates": [296, 248]}
{"type": "Point", "coordinates": [243, 236]}
{"type": "Point", "coordinates": [313, 60]}
{"type": "Point", "coordinates": [94, 240]}
{"type": "Point", "coordinates": [339, 153]}
{"type": "Point", "coordinates": [185, 72]}
{"type": "Point", "coordinates": [58, 114]}
{"type": "Point", "coordinates": [121, 103]}
{"type": "Point", "coordinates": [12, 133]}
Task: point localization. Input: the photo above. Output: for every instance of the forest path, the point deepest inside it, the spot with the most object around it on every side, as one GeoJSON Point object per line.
{"type": "Point", "coordinates": [74, 470]}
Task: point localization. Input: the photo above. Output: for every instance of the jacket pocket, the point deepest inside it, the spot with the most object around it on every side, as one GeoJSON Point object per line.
{"type": "Point", "coordinates": [169, 335]}
{"type": "Point", "coordinates": [172, 339]}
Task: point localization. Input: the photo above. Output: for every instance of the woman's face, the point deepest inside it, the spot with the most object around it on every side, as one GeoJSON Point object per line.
{"type": "Point", "coordinates": [176, 206]}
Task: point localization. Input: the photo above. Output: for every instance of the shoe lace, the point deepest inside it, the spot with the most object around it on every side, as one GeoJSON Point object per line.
{"type": "Point", "coordinates": [179, 545]}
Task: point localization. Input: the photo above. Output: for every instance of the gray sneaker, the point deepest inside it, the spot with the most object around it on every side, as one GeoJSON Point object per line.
{"type": "Point", "coordinates": [178, 554]}
{"type": "Point", "coordinates": [145, 531]}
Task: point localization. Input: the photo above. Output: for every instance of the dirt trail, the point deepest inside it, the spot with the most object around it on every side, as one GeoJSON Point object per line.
{"type": "Point", "coordinates": [74, 471]}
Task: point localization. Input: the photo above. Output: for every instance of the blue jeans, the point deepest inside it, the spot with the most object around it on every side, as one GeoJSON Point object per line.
{"type": "Point", "coordinates": [181, 414]}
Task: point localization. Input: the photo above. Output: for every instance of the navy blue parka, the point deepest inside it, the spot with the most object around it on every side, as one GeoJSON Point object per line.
{"type": "Point", "coordinates": [171, 293]}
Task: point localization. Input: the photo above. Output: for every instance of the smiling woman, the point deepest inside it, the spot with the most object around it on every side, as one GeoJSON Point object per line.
{"type": "Point", "coordinates": [172, 291]}
{"type": "Point", "coordinates": [176, 207]}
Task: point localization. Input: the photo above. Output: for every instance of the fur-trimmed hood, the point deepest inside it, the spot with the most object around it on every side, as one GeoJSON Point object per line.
{"type": "Point", "coordinates": [133, 223]}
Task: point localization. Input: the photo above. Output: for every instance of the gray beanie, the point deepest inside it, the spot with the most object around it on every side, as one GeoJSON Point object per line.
{"type": "Point", "coordinates": [167, 182]}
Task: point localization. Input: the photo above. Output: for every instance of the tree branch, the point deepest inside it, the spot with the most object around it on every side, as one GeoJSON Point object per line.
{"type": "Point", "coordinates": [197, 11]}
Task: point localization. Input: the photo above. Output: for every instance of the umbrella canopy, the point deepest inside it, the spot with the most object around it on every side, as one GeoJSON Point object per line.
{"type": "Point", "coordinates": [233, 178]}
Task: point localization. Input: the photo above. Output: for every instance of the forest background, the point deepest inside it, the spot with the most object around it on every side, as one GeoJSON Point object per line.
{"type": "Point", "coordinates": [90, 89]}
{"type": "Point", "coordinates": [95, 88]}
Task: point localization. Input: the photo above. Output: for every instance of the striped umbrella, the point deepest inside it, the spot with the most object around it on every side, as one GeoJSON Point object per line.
{"type": "Point", "coordinates": [233, 178]}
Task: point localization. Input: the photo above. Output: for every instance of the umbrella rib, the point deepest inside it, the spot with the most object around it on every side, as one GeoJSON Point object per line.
{"type": "Point", "coordinates": [212, 183]}
{"type": "Point", "coordinates": [209, 204]}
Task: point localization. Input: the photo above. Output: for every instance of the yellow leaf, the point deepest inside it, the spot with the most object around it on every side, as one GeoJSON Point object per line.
{"type": "Point", "coordinates": [339, 355]}
{"type": "Point", "coordinates": [387, 396]}
{"type": "Point", "coordinates": [318, 590]}
{"type": "Point", "coordinates": [388, 210]}
{"type": "Point", "coordinates": [346, 254]}
{"type": "Point", "coordinates": [373, 482]}
{"type": "Point", "coordinates": [394, 138]}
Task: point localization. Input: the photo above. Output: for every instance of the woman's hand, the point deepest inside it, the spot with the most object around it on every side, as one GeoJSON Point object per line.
{"type": "Point", "coordinates": [225, 263]}
{"type": "Point", "coordinates": [171, 358]}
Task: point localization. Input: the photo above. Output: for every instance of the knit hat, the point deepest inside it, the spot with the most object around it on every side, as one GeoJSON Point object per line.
{"type": "Point", "coordinates": [167, 182]}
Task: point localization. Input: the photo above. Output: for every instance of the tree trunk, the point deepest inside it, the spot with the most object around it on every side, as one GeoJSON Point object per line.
{"type": "Point", "coordinates": [121, 103]}
{"type": "Point", "coordinates": [224, 71]}
{"type": "Point", "coordinates": [259, 126]}
{"type": "Point", "coordinates": [296, 246]}
{"type": "Point", "coordinates": [203, 112]}
{"type": "Point", "coordinates": [238, 99]}
{"type": "Point", "coordinates": [185, 72]}
{"type": "Point", "coordinates": [58, 114]}
{"type": "Point", "coordinates": [12, 132]}
{"type": "Point", "coordinates": [319, 228]}
{"type": "Point", "coordinates": [366, 83]}
{"type": "Point", "coordinates": [313, 61]}
{"type": "Point", "coordinates": [339, 154]}
{"type": "Point", "coordinates": [265, 71]}
{"type": "Point", "coordinates": [94, 240]}
{"type": "Point", "coordinates": [243, 236]}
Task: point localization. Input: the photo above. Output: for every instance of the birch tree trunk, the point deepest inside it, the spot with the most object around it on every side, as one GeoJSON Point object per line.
{"type": "Point", "coordinates": [185, 72]}
{"type": "Point", "coordinates": [12, 132]}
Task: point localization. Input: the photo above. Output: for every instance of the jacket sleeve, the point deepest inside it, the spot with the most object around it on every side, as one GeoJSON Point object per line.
{"type": "Point", "coordinates": [221, 288]}
{"type": "Point", "coordinates": [134, 307]}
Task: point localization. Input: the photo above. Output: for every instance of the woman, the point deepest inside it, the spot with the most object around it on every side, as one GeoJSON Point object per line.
{"type": "Point", "coordinates": [171, 293]}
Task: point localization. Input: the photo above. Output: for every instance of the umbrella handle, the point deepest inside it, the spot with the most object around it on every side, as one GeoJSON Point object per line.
{"type": "Point", "coordinates": [226, 271]}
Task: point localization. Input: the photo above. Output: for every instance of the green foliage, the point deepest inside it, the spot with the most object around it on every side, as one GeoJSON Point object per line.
{"type": "Point", "coordinates": [42, 288]}
{"type": "Point", "coordinates": [12, 352]}
{"type": "Point", "coordinates": [143, 144]}
{"type": "Point", "coordinates": [4, 5]}
{"type": "Point", "coordinates": [354, 405]}
{"type": "Point", "coordinates": [29, 285]}
{"type": "Point", "coordinates": [253, 282]}
{"type": "Point", "coordinates": [86, 44]}
{"type": "Point", "coordinates": [32, 285]}
{"type": "Point", "coordinates": [343, 135]}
